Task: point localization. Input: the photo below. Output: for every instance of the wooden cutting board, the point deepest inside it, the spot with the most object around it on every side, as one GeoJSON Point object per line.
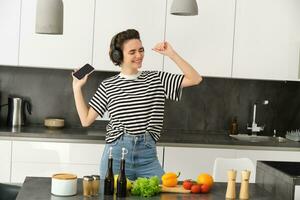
{"type": "Point", "coordinates": [176, 189]}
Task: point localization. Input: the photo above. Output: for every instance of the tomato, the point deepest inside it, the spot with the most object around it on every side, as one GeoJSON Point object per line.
{"type": "Point", "coordinates": [187, 184]}
{"type": "Point", "coordinates": [205, 188]}
{"type": "Point", "coordinates": [196, 188]}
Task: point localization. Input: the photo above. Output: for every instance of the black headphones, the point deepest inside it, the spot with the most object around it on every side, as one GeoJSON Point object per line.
{"type": "Point", "coordinates": [116, 52]}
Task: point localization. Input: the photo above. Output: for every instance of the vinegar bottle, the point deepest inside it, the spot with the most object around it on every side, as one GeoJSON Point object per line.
{"type": "Point", "coordinates": [122, 180]}
{"type": "Point", "coordinates": [109, 178]}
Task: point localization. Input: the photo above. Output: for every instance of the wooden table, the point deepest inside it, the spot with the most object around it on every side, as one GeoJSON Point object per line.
{"type": "Point", "coordinates": [39, 188]}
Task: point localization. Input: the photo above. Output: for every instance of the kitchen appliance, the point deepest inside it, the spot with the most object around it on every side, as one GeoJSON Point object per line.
{"type": "Point", "coordinates": [16, 115]}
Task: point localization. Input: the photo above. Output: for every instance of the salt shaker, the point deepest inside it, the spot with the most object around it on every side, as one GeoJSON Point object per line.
{"type": "Point", "coordinates": [230, 192]}
{"type": "Point", "coordinates": [87, 184]}
{"type": "Point", "coordinates": [95, 185]}
{"type": "Point", "coordinates": [244, 191]}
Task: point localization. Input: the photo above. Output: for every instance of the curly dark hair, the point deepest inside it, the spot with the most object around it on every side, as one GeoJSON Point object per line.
{"type": "Point", "coordinates": [117, 42]}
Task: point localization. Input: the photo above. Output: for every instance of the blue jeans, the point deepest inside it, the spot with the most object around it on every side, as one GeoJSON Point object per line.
{"type": "Point", "coordinates": [140, 161]}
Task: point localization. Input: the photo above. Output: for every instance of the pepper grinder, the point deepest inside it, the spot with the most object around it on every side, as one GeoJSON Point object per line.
{"type": "Point", "coordinates": [230, 192]}
{"type": "Point", "coordinates": [244, 191]}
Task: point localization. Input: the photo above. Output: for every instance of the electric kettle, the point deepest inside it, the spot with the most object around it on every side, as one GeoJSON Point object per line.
{"type": "Point", "coordinates": [16, 115]}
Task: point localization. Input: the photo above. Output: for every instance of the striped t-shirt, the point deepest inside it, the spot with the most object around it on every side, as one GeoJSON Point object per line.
{"type": "Point", "coordinates": [136, 105]}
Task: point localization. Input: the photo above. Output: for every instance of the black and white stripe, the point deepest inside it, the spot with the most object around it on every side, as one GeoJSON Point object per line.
{"type": "Point", "coordinates": [137, 105]}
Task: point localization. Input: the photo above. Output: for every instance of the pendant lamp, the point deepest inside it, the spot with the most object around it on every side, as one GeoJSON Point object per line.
{"type": "Point", "coordinates": [184, 7]}
{"type": "Point", "coordinates": [49, 17]}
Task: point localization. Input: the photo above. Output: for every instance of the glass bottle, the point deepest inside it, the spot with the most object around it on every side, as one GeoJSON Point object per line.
{"type": "Point", "coordinates": [234, 129]}
{"type": "Point", "coordinates": [109, 178]}
{"type": "Point", "coordinates": [122, 180]}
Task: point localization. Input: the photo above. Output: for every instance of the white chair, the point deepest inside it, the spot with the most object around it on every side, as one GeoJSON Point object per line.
{"type": "Point", "coordinates": [222, 165]}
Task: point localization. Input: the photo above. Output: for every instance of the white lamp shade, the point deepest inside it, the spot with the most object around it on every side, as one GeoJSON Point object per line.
{"type": "Point", "coordinates": [49, 17]}
{"type": "Point", "coordinates": [184, 7]}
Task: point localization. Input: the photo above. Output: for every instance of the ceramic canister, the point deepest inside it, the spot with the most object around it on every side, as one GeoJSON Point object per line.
{"type": "Point", "coordinates": [64, 184]}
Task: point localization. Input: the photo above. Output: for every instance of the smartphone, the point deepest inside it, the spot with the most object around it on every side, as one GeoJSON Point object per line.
{"type": "Point", "coordinates": [86, 69]}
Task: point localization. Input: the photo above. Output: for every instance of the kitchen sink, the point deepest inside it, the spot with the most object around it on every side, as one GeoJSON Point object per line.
{"type": "Point", "coordinates": [252, 138]}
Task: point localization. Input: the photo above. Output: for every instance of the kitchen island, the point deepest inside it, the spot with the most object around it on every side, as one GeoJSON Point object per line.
{"type": "Point", "coordinates": [40, 188]}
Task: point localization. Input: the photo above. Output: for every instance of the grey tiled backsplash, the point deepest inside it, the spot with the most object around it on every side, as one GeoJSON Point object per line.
{"type": "Point", "coordinates": [208, 106]}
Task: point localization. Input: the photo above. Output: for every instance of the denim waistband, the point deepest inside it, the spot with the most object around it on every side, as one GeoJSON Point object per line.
{"type": "Point", "coordinates": [135, 137]}
{"type": "Point", "coordinates": [141, 135]}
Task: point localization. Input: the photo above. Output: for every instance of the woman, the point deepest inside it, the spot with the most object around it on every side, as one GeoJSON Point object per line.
{"type": "Point", "coordinates": [135, 102]}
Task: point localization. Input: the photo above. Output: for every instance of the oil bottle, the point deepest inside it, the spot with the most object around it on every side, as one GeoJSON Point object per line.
{"type": "Point", "coordinates": [122, 180]}
{"type": "Point", "coordinates": [109, 178]}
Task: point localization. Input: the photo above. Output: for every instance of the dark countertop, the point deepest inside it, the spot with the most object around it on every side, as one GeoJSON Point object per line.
{"type": "Point", "coordinates": [43, 133]}
{"type": "Point", "coordinates": [177, 138]}
{"type": "Point", "coordinates": [40, 187]}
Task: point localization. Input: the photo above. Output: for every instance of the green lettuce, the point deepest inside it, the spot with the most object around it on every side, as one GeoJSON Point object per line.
{"type": "Point", "coordinates": [146, 187]}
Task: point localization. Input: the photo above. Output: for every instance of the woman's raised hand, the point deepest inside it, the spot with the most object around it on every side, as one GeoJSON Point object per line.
{"type": "Point", "coordinates": [78, 84]}
{"type": "Point", "coordinates": [164, 48]}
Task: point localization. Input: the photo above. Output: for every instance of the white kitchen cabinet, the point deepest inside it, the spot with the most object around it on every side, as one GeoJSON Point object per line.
{"type": "Point", "coordinates": [297, 192]}
{"type": "Point", "coordinates": [5, 161]}
{"type": "Point", "coordinates": [55, 152]}
{"type": "Point", "coordinates": [255, 155]}
{"type": "Point", "coordinates": [113, 16]}
{"type": "Point", "coordinates": [267, 39]}
{"type": "Point", "coordinates": [206, 40]}
{"type": "Point", "coordinates": [160, 154]}
{"type": "Point", "coordinates": [22, 169]}
{"type": "Point", "coordinates": [193, 161]}
{"type": "Point", "coordinates": [47, 158]}
{"type": "Point", "coordinates": [9, 34]}
{"type": "Point", "coordinates": [70, 50]}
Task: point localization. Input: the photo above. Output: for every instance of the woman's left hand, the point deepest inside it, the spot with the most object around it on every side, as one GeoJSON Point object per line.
{"type": "Point", "coordinates": [164, 48]}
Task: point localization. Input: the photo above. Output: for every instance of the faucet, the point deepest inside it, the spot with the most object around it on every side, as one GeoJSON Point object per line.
{"type": "Point", "coordinates": [254, 127]}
